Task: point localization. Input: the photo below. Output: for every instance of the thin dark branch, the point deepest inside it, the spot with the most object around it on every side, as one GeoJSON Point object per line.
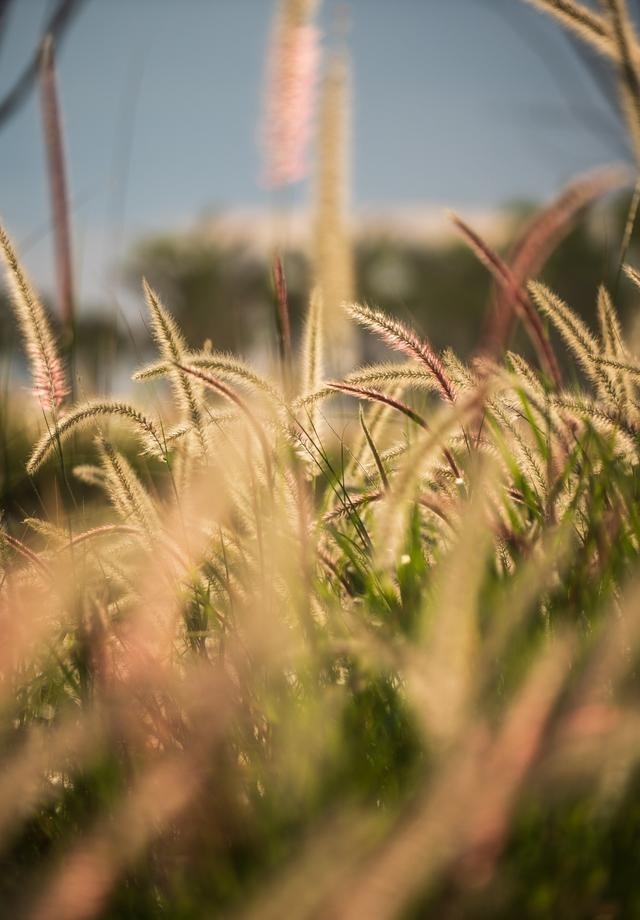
{"type": "Point", "coordinates": [56, 26]}
{"type": "Point", "coordinates": [591, 65]}
{"type": "Point", "coordinates": [4, 16]}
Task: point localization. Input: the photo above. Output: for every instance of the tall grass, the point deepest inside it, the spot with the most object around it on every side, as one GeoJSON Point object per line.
{"type": "Point", "coordinates": [254, 669]}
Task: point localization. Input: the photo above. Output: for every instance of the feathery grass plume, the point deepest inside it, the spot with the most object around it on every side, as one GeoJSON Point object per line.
{"type": "Point", "coordinates": [225, 366]}
{"type": "Point", "coordinates": [541, 235]}
{"type": "Point", "coordinates": [47, 372]}
{"type": "Point", "coordinates": [396, 376]}
{"type": "Point", "coordinates": [214, 420]}
{"type": "Point", "coordinates": [209, 381]}
{"type": "Point", "coordinates": [461, 375]}
{"type": "Point", "coordinates": [104, 530]}
{"type": "Point", "coordinates": [126, 492]}
{"type": "Point", "coordinates": [521, 304]}
{"type": "Point", "coordinates": [91, 412]}
{"type": "Point", "coordinates": [173, 349]}
{"type": "Point", "coordinates": [632, 274]}
{"type": "Point", "coordinates": [613, 343]}
{"type": "Point", "coordinates": [407, 376]}
{"type": "Point", "coordinates": [332, 250]}
{"type": "Point", "coordinates": [526, 374]}
{"type": "Point", "coordinates": [403, 339]}
{"type": "Point", "coordinates": [420, 456]}
{"type": "Point", "coordinates": [89, 474]}
{"type": "Point", "coordinates": [519, 449]}
{"type": "Point", "coordinates": [578, 337]}
{"type": "Point", "coordinates": [22, 550]}
{"type": "Point", "coordinates": [356, 503]}
{"type": "Point", "coordinates": [601, 419]}
{"type": "Point", "coordinates": [312, 366]}
{"type": "Point", "coordinates": [293, 60]}
{"type": "Point", "coordinates": [312, 356]}
{"type": "Point", "coordinates": [51, 532]}
{"type": "Point", "coordinates": [625, 41]}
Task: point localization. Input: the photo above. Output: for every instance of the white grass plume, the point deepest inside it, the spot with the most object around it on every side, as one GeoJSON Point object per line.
{"type": "Point", "coordinates": [85, 414]}
{"type": "Point", "coordinates": [403, 339]}
{"type": "Point", "coordinates": [47, 370]}
{"type": "Point", "coordinates": [396, 376]}
{"type": "Point", "coordinates": [89, 474]}
{"type": "Point", "coordinates": [573, 330]}
{"type": "Point", "coordinates": [312, 365]}
{"type": "Point", "coordinates": [173, 350]}
{"type": "Point", "coordinates": [613, 348]}
{"type": "Point", "coordinates": [125, 490]}
{"type": "Point", "coordinates": [602, 418]}
{"type": "Point", "coordinates": [225, 366]}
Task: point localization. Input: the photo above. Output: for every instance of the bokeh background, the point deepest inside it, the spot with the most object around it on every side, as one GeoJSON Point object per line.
{"type": "Point", "coordinates": [479, 105]}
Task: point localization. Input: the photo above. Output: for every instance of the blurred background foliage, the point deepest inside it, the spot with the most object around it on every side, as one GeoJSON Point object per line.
{"type": "Point", "coordinates": [221, 290]}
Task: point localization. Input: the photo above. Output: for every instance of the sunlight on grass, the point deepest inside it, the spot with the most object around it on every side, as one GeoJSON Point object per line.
{"type": "Point", "coordinates": [298, 643]}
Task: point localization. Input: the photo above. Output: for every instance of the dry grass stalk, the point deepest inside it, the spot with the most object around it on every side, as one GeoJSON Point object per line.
{"type": "Point", "coordinates": [54, 147]}
{"type": "Point", "coordinates": [47, 371]}
{"type": "Point", "coordinates": [538, 240]}
{"type": "Point", "coordinates": [399, 337]}
{"type": "Point", "coordinates": [519, 299]}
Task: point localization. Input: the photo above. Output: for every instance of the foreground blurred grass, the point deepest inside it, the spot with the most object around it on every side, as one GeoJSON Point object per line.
{"type": "Point", "coordinates": [386, 673]}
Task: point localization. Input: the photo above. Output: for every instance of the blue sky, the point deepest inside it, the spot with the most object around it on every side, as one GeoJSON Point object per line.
{"type": "Point", "coordinates": [465, 103]}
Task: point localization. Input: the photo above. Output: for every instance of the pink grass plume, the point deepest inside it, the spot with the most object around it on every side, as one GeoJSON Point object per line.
{"type": "Point", "coordinates": [293, 63]}
{"type": "Point", "coordinates": [48, 374]}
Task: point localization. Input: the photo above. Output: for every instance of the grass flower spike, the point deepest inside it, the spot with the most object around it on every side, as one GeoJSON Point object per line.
{"type": "Point", "coordinates": [47, 371]}
{"type": "Point", "coordinates": [291, 81]}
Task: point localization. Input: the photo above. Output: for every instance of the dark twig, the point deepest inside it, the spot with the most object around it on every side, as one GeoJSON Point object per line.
{"type": "Point", "coordinates": [56, 27]}
{"type": "Point", "coordinates": [519, 298]}
{"type": "Point", "coordinates": [4, 16]}
{"type": "Point", "coordinates": [283, 324]}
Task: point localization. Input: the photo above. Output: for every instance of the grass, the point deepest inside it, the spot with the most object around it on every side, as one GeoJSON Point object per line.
{"type": "Point", "coordinates": [265, 656]}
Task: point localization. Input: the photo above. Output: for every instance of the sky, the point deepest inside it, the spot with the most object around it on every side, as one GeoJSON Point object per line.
{"type": "Point", "coordinates": [455, 103]}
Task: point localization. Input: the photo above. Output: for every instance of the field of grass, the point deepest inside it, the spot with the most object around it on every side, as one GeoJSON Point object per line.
{"type": "Point", "coordinates": [310, 644]}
